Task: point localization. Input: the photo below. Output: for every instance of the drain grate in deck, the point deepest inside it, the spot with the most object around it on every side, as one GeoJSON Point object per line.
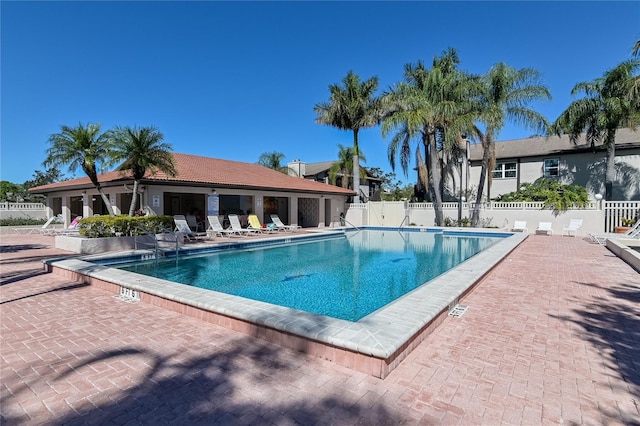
{"type": "Point", "coordinates": [458, 311]}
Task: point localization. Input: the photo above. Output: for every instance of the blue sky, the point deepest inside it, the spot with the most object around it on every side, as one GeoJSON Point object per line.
{"type": "Point", "coordinates": [232, 80]}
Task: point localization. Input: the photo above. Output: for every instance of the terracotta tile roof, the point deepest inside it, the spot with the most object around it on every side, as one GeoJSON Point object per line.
{"type": "Point", "coordinates": [193, 169]}
{"type": "Point", "coordinates": [553, 145]}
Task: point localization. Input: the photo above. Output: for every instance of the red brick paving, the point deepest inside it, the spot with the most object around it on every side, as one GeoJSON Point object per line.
{"type": "Point", "coordinates": [552, 336]}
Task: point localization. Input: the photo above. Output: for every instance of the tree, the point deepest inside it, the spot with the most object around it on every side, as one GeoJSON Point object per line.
{"type": "Point", "coordinates": [142, 149]}
{"type": "Point", "coordinates": [273, 160]}
{"type": "Point", "coordinates": [505, 94]}
{"type": "Point", "coordinates": [51, 175]}
{"type": "Point", "coordinates": [9, 191]}
{"type": "Point", "coordinates": [555, 195]}
{"type": "Point", "coordinates": [436, 107]}
{"type": "Point", "coordinates": [84, 147]}
{"type": "Point", "coordinates": [605, 106]}
{"type": "Point", "coordinates": [352, 106]}
{"type": "Point", "coordinates": [344, 166]}
{"type": "Point", "coordinates": [392, 188]}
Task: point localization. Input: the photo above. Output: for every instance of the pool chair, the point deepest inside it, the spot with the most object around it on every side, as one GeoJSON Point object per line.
{"type": "Point", "coordinates": [633, 233]}
{"type": "Point", "coordinates": [193, 223]}
{"type": "Point", "coordinates": [41, 230]}
{"type": "Point", "coordinates": [544, 228]}
{"type": "Point", "coordinates": [236, 226]}
{"type": "Point", "coordinates": [183, 227]}
{"type": "Point", "coordinates": [72, 229]}
{"type": "Point", "coordinates": [574, 226]}
{"type": "Point", "coordinates": [520, 226]}
{"type": "Point", "coordinates": [281, 226]}
{"type": "Point", "coordinates": [254, 223]}
{"type": "Point", "coordinates": [216, 228]}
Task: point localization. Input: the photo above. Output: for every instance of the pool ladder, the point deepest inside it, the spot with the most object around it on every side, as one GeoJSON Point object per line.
{"type": "Point", "coordinates": [159, 230]}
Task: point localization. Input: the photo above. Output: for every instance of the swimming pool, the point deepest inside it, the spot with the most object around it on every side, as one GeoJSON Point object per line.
{"type": "Point", "coordinates": [346, 278]}
{"type": "Point", "coordinates": [375, 344]}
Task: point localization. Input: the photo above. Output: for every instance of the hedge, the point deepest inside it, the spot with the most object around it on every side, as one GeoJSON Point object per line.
{"type": "Point", "coordinates": [111, 226]}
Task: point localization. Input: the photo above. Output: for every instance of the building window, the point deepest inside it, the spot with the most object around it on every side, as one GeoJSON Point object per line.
{"type": "Point", "coordinates": [551, 167]}
{"type": "Point", "coordinates": [505, 170]}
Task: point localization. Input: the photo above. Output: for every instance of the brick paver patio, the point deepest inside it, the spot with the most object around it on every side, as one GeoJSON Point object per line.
{"type": "Point", "coordinates": [552, 336]}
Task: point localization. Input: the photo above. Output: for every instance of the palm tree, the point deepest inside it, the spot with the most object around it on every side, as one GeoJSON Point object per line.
{"type": "Point", "coordinates": [142, 150]}
{"type": "Point", "coordinates": [436, 107]}
{"type": "Point", "coordinates": [344, 166]}
{"type": "Point", "coordinates": [604, 108]}
{"type": "Point", "coordinates": [352, 106]}
{"type": "Point", "coordinates": [273, 160]}
{"type": "Point", "coordinates": [505, 94]}
{"type": "Point", "coordinates": [81, 146]}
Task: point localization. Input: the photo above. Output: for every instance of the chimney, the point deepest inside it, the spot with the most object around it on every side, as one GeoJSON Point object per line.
{"type": "Point", "coordinates": [297, 168]}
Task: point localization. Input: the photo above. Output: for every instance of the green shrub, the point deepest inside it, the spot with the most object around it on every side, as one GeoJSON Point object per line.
{"type": "Point", "coordinates": [111, 226]}
{"type": "Point", "coordinates": [464, 222]}
{"type": "Point", "coordinates": [553, 194]}
{"type": "Point", "coordinates": [13, 221]}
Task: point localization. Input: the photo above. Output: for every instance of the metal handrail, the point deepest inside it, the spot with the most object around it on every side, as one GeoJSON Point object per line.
{"type": "Point", "coordinates": [343, 219]}
{"type": "Point", "coordinates": [153, 235]}
{"type": "Point", "coordinates": [406, 219]}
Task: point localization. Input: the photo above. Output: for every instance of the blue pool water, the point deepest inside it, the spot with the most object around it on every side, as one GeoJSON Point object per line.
{"type": "Point", "coordinates": [345, 278]}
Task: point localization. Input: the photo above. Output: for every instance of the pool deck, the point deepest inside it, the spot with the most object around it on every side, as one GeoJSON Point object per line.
{"type": "Point", "coordinates": [552, 335]}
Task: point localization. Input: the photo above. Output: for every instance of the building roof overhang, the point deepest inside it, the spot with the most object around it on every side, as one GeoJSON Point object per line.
{"type": "Point", "coordinates": [198, 171]}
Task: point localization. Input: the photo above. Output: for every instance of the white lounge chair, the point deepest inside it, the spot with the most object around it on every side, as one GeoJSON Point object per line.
{"type": "Point", "coordinates": [236, 226]}
{"type": "Point", "coordinates": [183, 227]}
{"type": "Point", "coordinates": [574, 226]}
{"type": "Point", "coordinates": [216, 228]}
{"type": "Point", "coordinates": [633, 233]}
{"type": "Point", "coordinates": [40, 230]}
{"type": "Point", "coordinates": [520, 226]}
{"type": "Point", "coordinates": [281, 226]}
{"type": "Point", "coordinates": [194, 224]}
{"type": "Point", "coordinates": [72, 229]}
{"type": "Point", "coordinates": [544, 228]}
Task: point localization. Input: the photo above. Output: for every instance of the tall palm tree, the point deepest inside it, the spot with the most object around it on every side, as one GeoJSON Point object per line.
{"type": "Point", "coordinates": [344, 166]}
{"type": "Point", "coordinates": [352, 106]}
{"type": "Point", "coordinates": [436, 107]}
{"type": "Point", "coordinates": [505, 94]}
{"type": "Point", "coordinates": [142, 149]}
{"type": "Point", "coordinates": [604, 108]}
{"type": "Point", "coordinates": [84, 147]}
{"type": "Point", "coordinates": [273, 160]}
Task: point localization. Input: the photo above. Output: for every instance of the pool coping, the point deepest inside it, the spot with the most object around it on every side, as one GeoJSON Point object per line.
{"type": "Point", "coordinates": [374, 344]}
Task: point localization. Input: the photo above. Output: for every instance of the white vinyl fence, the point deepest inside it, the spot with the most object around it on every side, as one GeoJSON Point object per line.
{"type": "Point", "coordinates": [597, 216]}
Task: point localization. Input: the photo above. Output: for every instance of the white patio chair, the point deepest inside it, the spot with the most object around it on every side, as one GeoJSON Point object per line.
{"type": "Point", "coordinates": [544, 228]}
{"type": "Point", "coordinates": [520, 226]}
{"type": "Point", "coordinates": [574, 226]}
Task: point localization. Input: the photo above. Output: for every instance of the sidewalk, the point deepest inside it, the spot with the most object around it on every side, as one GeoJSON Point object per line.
{"type": "Point", "coordinates": [551, 336]}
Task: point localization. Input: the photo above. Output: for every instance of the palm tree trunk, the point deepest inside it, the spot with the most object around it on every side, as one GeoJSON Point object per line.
{"type": "Point", "coordinates": [105, 200]}
{"type": "Point", "coordinates": [435, 178]}
{"type": "Point", "coordinates": [93, 177]}
{"type": "Point", "coordinates": [610, 174]}
{"type": "Point", "coordinates": [356, 167]}
{"type": "Point", "coordinates": [486, 154]}
{"type": "Point", "coordinates": [134, 198]}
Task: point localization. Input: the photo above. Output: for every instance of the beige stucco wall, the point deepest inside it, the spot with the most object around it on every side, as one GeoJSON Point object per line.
{"type": "Point", "coordinates": [152, 198]}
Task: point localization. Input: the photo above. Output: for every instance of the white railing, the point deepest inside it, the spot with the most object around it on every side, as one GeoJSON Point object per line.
{"type": "Point", "coordinates": [21, 206]}
{"type": "Point", "coordinates": [616, 210]}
